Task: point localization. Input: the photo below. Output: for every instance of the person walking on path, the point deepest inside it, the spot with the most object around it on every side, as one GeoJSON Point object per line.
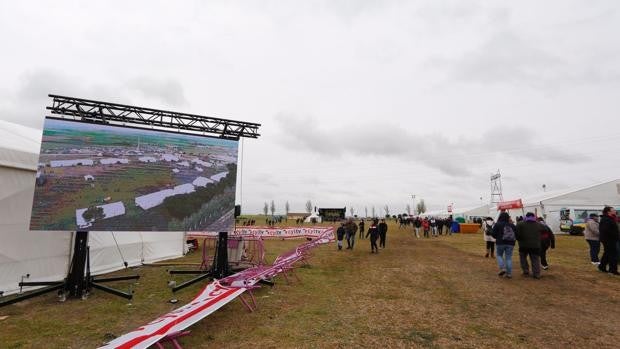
{"type": "Point", "coordinates": [547, 240]}
{"type": "Point", "coordinates": [350, 228]}
{"type": "Point", "coordinates": [340, 235]}
{"type": "Point", "coordinates": [417, 223]}
{"type": "Point", "coordinates": [488, 237]}
{"type": "Point", "coordinates": [528, 235]}
{"type": "Point", "coordinates": [426, 225]}
{"type": "Point", "coordinates": [361, 229]}
{"type": "Point", "coordinates": [383, 228]}
{"type": "Point", "coordinates": [608, 229]}
{"type": "Point", "coordinates": [373, 232]}
{"type": "Point", "coordinates": [591, 233]}
{"type": "Point", "coordinates": [504, 235]}
{"type": "Point", "coordinates": [433, 223]}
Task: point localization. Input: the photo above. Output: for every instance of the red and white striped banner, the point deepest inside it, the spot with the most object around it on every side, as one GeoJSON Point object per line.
{"type": "Point", "coordinates": [283, 233]}
{"type": "Point", "coordinates": [211, 298]}
{"type": "Point", "coordinates": [215, 295]}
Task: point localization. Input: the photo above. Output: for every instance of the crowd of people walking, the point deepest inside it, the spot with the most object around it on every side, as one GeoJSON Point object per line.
{"type": "Point", "coordinates": [376, 231]}
{"type": "Point", "coordinates": [535, 238]}
{"type": "Point", "coordinates": [530, 234]}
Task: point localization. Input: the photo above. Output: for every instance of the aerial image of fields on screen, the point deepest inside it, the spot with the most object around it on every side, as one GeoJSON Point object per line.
{"type": "Point", "coordinates": [109, 178]}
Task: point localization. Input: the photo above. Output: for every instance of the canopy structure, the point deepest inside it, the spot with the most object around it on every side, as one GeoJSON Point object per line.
{"type": "Point", "coordinates": [465, 212]}
{"type": "Point", "coordinates": [45, 255]}
{"type": "Point", "coordinates": [473, 211]}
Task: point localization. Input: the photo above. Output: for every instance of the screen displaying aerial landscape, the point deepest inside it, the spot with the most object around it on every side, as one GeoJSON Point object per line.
{"type": "Point", "coordinates": [107, 178]}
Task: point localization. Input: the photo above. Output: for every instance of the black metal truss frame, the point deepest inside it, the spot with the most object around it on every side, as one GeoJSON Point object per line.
{"type": "Point", "coordinates": [115, 114]}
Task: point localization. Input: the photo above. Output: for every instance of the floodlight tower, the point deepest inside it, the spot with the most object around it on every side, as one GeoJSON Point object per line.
{"type": "Point", "coordinates": [496, 188]}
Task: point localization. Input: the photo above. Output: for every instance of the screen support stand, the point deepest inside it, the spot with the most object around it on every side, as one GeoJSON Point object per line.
{"type": "Point", "coordinates": [219, 269]}
{"type": "Point", "coordinates": [78, 282]}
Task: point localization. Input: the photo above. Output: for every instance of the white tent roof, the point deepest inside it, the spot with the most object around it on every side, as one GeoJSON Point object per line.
{"type": "Point", "coordinates": [472, 211]}
{"type": "Point", "coordinates": [19, 146]}
{"type": "Point", "coordinates": [605, 193]}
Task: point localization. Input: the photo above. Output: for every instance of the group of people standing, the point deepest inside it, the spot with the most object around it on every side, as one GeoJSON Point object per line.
{"type": "Point", "coordinates": [376, 231]}
{"type": "Point", "coordinates": [432, 225]}
{"type": "Point", "coordinates": [605, 232]}
{"type": "Point", "coordinates": [533, 236]}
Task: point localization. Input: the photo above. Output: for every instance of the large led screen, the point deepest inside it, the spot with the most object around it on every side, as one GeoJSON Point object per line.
{"type": "Point", "coordinates": [108, 178]}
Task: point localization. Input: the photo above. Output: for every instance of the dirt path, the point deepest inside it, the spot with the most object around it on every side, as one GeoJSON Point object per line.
{"type": "Point", "coordinates": [427, 292]}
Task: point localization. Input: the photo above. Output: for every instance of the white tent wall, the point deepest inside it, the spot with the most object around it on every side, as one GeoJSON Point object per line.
{"type": "Point", "coordinates": [133, 247]}
{"type": "Point", "coordinates": [42, 254]}
{"type": "Point", "coordinates": [160, 245]}
{"type": "Point", "coordinates": [46, 255]}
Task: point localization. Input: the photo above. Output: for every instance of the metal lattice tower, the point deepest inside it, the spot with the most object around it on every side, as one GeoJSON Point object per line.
{"type": "Point", "coordinates": [496, 188]}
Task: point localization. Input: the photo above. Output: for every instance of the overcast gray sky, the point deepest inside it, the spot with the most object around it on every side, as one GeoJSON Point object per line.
{"type": "Point", "coordinates": [363, 103]}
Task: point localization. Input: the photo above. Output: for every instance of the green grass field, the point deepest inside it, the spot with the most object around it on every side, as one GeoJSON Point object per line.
{"type": "Point", "coordinates": [426, 293]}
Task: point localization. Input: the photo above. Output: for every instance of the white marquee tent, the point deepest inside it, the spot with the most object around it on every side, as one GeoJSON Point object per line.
{"type": "Point", "coordinates": [549, 204]}
{"type": "Point", "coordinates": [45, 255]}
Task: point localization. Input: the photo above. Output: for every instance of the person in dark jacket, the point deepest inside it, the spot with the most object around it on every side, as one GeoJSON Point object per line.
{"type": "Point", "coordinates": [547, 240]}
{"type": "Point", "coordinates": [504, 234]}
{"type": "Point", "coordinates": [417, 223]}
{"type": "Point", "coordinates": [350, 229]}
{"type": "Point", "coordinates": [608, 229]}
{"type": "Point", "coordinates": [340, 235]}
{"type": "Point", "coordinates": [373, 232]}
{"type": "Point", "coordinates": [361, 225]}
{"type": "Point", "coordinates": [528, 235]}
{"type": "Point", "coordinates": [383, 228]}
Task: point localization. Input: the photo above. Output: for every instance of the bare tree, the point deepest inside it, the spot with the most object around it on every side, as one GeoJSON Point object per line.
{"type": "Point", "coordinates": [373, 212]}
{"type": "Point", "coordinates": [408, 209]}
{"type": "Point", "coordinates": [265, 209]}
{"type": "Point", "coordinates": [309, 206]}
{"type": "Point", "coordinates": [287, 209]}
{"type": "Point", "coordinates": [352, 211]}
{"type": "Point", "coordinates": [421, 207]}
{"type": "Point", "coordinates": [272, 207]}
{"type": "Point", "coordinates": [387, 210]}
{"type": "Point", "coordinates": [365, 211]}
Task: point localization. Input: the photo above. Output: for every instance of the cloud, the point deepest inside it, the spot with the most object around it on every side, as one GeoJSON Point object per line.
{"type": "Point", "coordinates": [436, 151]}
{"type": "Point", "coordinates": [507, 58]}
{"type": "Point", "coordinates": [26, 105]}
{"type": "Point", "coordinates": [168, 91]}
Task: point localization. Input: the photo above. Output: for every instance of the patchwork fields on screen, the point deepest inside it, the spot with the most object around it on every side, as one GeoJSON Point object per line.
{"type": "Point", "coordinates": [108, 178]}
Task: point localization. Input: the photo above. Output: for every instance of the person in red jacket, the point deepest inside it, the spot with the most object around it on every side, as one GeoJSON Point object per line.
{"type": "Point", "coordinates": [426, 225]}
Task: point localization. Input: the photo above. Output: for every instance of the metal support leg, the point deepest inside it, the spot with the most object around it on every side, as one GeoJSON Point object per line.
{"type": "Point", "coordinates": [250, 309]}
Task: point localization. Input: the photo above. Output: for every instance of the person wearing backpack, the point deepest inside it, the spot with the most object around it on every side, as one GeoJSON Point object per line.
{"type": "Point", "coordinates": [504, 235]}
{"type": "Point", "coordinates": [528, 235]}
